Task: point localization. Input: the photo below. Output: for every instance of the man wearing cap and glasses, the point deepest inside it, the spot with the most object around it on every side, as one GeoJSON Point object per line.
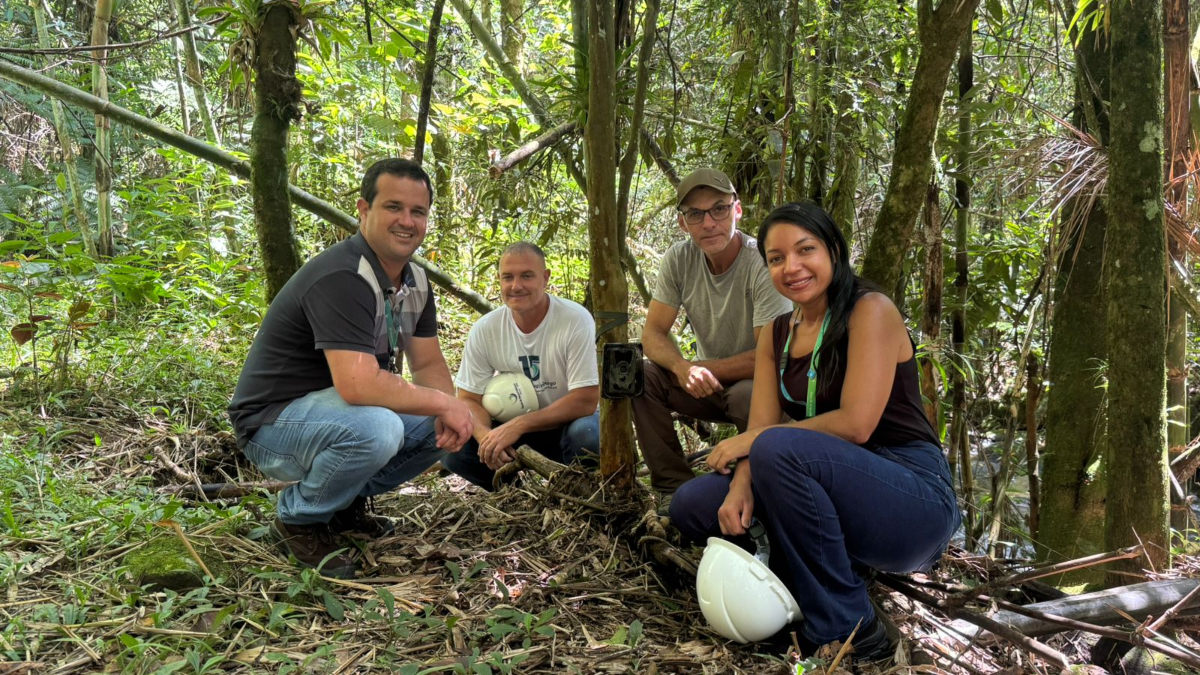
{"type": "Point", "coordinates": [718, 278]}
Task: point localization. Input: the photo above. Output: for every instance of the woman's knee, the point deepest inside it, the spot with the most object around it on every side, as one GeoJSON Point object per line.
{"type": "Point", "coordinates": [694, 506]}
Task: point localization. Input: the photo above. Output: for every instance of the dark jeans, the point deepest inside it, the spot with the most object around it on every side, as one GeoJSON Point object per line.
{"type": "Point", "coordinates": [832, 508]}
{"type": "Point", "coordinates": [579, 441]}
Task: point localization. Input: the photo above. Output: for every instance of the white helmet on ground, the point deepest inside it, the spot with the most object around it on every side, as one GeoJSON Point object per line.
{"type": "Point", "coordinates": [509, 395]}
{"type": "Point", "coordinates": [741, 598]}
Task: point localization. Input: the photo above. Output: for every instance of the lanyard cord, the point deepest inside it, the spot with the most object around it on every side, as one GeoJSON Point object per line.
{"type": "Point", "coordinates": [392, 334]}
{"type": "Point", "coordinates": [810, 401]}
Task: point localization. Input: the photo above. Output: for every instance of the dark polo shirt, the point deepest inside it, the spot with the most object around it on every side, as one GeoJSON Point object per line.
{"type": "Point", "coordinates": [335, 301]}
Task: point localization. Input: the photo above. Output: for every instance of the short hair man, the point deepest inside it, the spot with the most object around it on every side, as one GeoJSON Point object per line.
{"type": "Point", "coordinates": [553, 342]}
{"type": "Point", "coordinates": [321, 399]}
{"type": "Point", "coordinates": [718, 277]}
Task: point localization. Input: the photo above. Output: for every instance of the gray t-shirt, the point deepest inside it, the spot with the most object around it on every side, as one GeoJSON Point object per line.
{"type": "Point", "coordinates": [724, 309]}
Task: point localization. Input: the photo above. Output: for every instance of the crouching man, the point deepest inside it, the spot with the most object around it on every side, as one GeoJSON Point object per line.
{"type": "Point", "coordinates": [321, 399]}
{"type": "Point", "coordinates": [552, 342]}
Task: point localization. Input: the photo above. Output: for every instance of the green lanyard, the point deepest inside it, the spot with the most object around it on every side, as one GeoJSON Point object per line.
{"type": "Point", "coordinates": [810, 401]}
{"type": "Point", "coordinates": [392, 333]}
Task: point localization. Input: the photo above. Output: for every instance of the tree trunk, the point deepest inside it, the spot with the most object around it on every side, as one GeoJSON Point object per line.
{"type": "Point", "coordinates": [931, 318]}
{"type": "Point", "coordinates": [940, 32]}
{"type": "Point", "coordinates": [277, 105]}
{"type": "Point", "coordinates": [1135, 266]}
{"type": "Point", "coordinates": [1178, 136]}
{"type": "Point", "coordinates": [180, 86]}
{"type": "Point", "coordinates": [960, 445]}
{"type": "Point", "coordinates": [102, 158]}
{"type": "Point", "coordinates": [74, 190]}
{"type": "Point", "coordinates": [1033, 390]}
{"type": "Point", "coordinates": [609, 290]}
{"type": "Point", "coordinates": [219, 157]}
{"type": "Point", "coordinates": [1071, 517]}
{"type": "Point", "coordinates": [511, 31]}
{"type": "Point", "coordinates": [183, 15]}
{"type": "Point", "coordinates": [431, 44]}
{"type": "Point", "coordinates": [843, 194]}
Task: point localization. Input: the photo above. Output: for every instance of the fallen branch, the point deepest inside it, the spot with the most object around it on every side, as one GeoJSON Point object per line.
{"type": "Point", "coordinates": [959, 599]}
{"type": "Point", "coordinates": [1113, 633]}
{"type": "Point", "coordinates": [225, 490]}
{"type": "Point", "coordinates": [1102, 608]}
{"type": "Point", "coordinates": [1024, 642]}
{"type": "Point", "coordinates": [526, 151]}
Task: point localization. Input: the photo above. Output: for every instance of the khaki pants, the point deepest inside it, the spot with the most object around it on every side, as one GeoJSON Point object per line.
{"type": "Point", "coordinates": [656, 430]}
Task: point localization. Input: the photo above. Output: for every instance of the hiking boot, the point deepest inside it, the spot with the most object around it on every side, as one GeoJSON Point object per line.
{"type": "Point", "coordinates": [664, 504]}
{"type": "Point", "coordinates": [312, 544]}
{"type": "Point", "coordinates": [874, 644]}
{"type": "Point", "coordinates": [358, 519]}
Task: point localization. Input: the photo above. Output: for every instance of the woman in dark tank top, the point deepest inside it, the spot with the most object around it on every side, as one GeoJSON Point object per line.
{"type": "Point", "coordinates": [858, 479]}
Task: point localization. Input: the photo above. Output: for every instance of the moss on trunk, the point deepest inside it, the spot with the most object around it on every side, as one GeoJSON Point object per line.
{"type": "Point", "coordinates": [277, 105]}
{"type": "Point", "coordinates": [1135, 266]}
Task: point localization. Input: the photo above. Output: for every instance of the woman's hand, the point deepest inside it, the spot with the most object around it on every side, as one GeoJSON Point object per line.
{"type": "Point", "coordinates": [738, 509]}
{"type": "Point", "coordinates": [730, 450]}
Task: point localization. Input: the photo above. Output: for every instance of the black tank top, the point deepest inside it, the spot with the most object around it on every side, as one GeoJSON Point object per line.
{"type": "Point", "coordinates": [903, 420]}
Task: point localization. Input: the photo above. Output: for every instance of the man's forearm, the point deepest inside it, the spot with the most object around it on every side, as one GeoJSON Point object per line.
{"type": "Point", "coordinates": [388, 390]}
{"type": "Point", "coordinates": [483, 421]}
{"type": "Point", "coordinates": [576, 404]}
{"type": "Point", "coordinates": [662, 350]}
{"type": "Point", "coordinates": [733, 369]}
{"type": "Point", "coordinates": [435, 376]}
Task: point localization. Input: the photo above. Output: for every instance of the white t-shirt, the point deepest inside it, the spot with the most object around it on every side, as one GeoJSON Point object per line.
{"type": "Point", "coordinates": [558, 356]}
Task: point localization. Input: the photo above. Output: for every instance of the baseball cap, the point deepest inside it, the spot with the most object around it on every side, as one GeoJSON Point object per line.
{"type": "Point", "coordinates": [712, 178]}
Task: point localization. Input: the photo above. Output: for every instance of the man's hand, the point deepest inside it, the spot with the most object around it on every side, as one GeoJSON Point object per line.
{"type": "Point", "coordinates": [738, 508]}
{"type": "Point", "coordinates": [496, 449]}
{"type": "Point", "coordinates": [698, 380]}
{"type": "Point", "coordinates": [453, 427]}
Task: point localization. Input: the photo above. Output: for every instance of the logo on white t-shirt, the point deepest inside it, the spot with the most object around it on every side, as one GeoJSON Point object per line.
{"type": "Point", "coordinates": [530, 365]}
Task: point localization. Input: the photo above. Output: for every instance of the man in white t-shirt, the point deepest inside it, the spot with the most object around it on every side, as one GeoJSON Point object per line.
{"type": "Point", "coordinates": [551, 341]}
{"type": "Point", "coordinates": [717, 276]}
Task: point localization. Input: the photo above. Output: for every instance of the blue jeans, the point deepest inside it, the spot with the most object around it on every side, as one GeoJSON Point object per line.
{"type": "Point", "coordinates": [579, 441]}
{"type": "Point", "coordinates": [833, 509]}
{"type": "Point", "coordinates": [338, 452]}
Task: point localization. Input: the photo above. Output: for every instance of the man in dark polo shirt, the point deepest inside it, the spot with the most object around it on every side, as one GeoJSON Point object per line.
{"type": "Point", "coordinates": [322, 399]}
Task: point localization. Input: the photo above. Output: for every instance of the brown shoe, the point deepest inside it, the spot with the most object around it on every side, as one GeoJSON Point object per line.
{"type": "Point", "coordinates": [357, 519]}
{"type": "Point", "coordinates": [312, 544]}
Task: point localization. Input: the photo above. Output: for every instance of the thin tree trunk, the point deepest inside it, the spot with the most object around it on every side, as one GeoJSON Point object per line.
{"type": "Point", "coordinates": [960, 446]}
{"type": "Point", "coordinates": [1071, 521]}
{"type": "Point", "coordinates": [431, 44]}
{"type": "Point", "coordinates": [74, 190]}
{"type": "Point", "coordinates": [512, 33]}
{"type": "Point", "coordinates": [931, 318]}
{"type": "Point", "coordinates": [610, 291]}
{"type": "Point", "coordinates": [1033, 389]}
{"type": "Point", "coordinates": [219, 157]}
{"type": "Point", "coordinates": [102, 158]}
{"type": "Point", "coordinates": [940, 30]}
{"type": "Point", "coordinates": [843, 194]}
{"type": "Point", "coordinates": [185, 115]}
{"type": "Point", "coordinates": [1135, 265]}
{"type": "Point", "coordinates": [183, 14]}
{"type": "Point", "coordinates": [1177, 136]}
{"type": "Point", "coordinates": [277, 105]}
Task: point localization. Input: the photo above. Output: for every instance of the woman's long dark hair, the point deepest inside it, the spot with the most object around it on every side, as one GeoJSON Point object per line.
{"type": "Point", "coordinates": [845, 288]}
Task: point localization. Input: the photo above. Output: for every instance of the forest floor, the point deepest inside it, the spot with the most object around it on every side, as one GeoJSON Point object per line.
{"type": "Point", "coordinates": [519, 581]}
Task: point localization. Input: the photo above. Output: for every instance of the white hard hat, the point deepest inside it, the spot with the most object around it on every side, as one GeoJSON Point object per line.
{"type": "Point", "coordinates": [741, 598]}
{"type": "Point", "coordinates": [509, 395]}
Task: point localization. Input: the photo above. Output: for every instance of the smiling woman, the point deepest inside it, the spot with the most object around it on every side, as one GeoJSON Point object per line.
{"type": "Point", "coordinates": [858, 480]}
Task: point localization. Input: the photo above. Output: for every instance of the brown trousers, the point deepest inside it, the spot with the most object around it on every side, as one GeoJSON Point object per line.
{"type": "Point", "coordinates": [656, 430]}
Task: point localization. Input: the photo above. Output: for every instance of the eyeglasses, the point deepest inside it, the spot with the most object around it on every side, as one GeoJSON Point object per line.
{"type": "Point", "coordinates": [719, 212]}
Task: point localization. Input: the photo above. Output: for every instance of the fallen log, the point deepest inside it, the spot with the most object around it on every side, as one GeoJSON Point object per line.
{"type": "Point", "coordinates": [1103, 608]}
